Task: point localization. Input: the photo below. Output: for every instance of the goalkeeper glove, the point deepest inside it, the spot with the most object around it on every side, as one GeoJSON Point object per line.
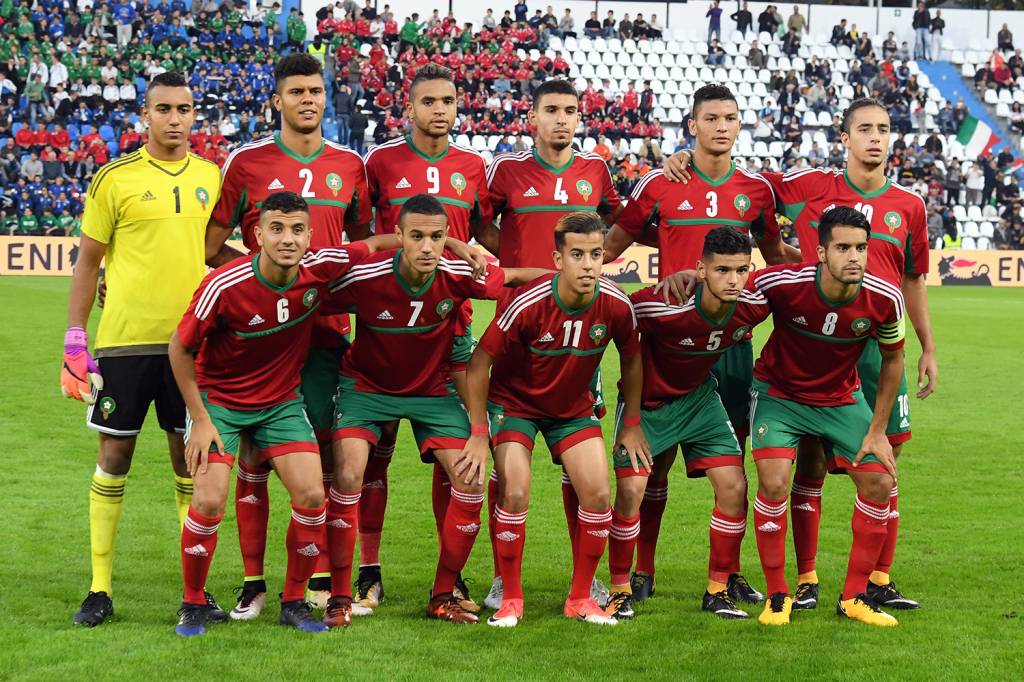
{"type": "Point", "coordinates": [80, 376]}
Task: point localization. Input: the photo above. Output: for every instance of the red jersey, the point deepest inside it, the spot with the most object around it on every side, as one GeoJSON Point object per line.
{"type": "Point", "coordinates": [680, 343]}
{"type": "Point", "coordinates": [251, 337]}
{"type": "Point", "coordinates": [397, 170]}
{"type": "Point", "coordinates": [684, 214]}
{"type": "Point", "coordinates": [332, 181]}
{"type": "Point", "coordinates": [811, 355]}
{"type": "Point", "coordinates": [531, 196]}
{"type": "Point", "coordinates": [546, 353]}
{"type": "Point", "coordinates": [404, 337]}
{"type": "Point", "coordinates": [899, 225]}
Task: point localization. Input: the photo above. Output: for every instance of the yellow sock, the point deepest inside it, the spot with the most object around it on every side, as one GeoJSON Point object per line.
{"type": "Point", "coordinates": [715, 587]}
{"type": "Point", "coordinates": [809, 577]}
{"type": "Point", "coordinates": [182, 497]}
{"type": "Point", "coordinates": [879, 578]}
{"type": "Point", "coordinates": [106, 499]}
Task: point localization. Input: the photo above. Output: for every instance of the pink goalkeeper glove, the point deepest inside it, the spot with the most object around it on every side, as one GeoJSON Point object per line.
{"type": "Point", "coordinates": [80, 376]}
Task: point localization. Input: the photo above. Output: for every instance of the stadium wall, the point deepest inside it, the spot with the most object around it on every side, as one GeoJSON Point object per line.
{"type": "Point", "coordinates": [22, 256]}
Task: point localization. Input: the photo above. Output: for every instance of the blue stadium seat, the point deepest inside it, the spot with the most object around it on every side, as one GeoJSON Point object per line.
{"type": "Point", "coordinates": [106, 132]}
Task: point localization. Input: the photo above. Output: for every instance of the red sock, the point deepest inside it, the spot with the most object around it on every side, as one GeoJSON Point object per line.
{"type": "Point", "coordinates": [621, 543]}
{"type": "Point", "coordinates": [651, 510]}
{"type": "Point", "coordinates": [492, 504]}
{"type": "Point", "coordinates": [592, 528]}
{"type": "Point", "coordinates": [509, 540]}
{"type": "Point", "coordinates": [440, 494]}
{"type": "Point", "coordinates": [805, 502]}
{"type": "Point", "coordinates": [373, 504]}
{"type": "Point", "coordinates": [323, 561]}
{"type": "Point", "coordinates": [892, 531]}
{"type": "Point", "coordinates": [252, 509]}
{"type": "Point", "coordinates": [570, 503]}
{"type": "Point", "coordinates": [342, 520]}
{"type": "Point", "coordinates": [461, 526]}
{"type": "Point", "coordinates": [770, 529]}
{"type": "Point", "coordinates": [726, 536]}
{"type": "Point", "coordinates": [305, 543]}
{"type": "Point", "coordinates": [869, 532]}
{"type": "Point", "coordinates": [198, 542]}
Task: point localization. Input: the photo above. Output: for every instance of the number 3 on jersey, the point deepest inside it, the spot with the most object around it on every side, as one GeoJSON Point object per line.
{"type": "Point", "coordinates": [712, 209]}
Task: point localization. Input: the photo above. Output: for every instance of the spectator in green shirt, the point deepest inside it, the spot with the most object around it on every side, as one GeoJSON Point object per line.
{"type": "Point", "coordinates": [296, 30]}
{"type": "Point", "coordinates": [410, 32]}
{"type": "Point", "coordinates": [28, 225]}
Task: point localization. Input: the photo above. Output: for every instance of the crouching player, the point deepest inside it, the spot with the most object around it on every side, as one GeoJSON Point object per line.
{"type": "Point", "coordinates": [544, 349]}
{"type": "Point", "coordinates": [249, 327]}
{"type": "Point", "coordinates": [679, 346]}
{"type": "Point", "coordinates": [406, 304]}
{"type": "Point", "coordinates": [806, 384]}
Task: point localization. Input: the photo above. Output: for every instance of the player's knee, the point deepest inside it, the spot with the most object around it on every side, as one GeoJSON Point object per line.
{"type": "Point", "coordinates": [208, 503]}
{"type": "Point", "coordinates": [595, 499]}
{"type": "Point", "coordinates": [876, 487]}
{"type": "Point", "coordinates": [468, 489]}
{"type": "Point", "coordinates": [896, 450]}
{"type": "Point", "coordinates": [515, 498]}
{"type": "Point", "coordinates": [773, 486]}
{"type": "Point", "coordinates": [730, 494]}
{"type": "Point", "coordinates": [309, 496]}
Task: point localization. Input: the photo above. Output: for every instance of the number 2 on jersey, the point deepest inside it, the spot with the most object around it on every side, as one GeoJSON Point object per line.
{"type": "Point", "coordinates": [307, 175]}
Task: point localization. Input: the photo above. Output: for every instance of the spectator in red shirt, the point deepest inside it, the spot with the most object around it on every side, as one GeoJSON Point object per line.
{"type": "Point", "coordinates": [26, 138]}
{"type": "Point", "coordinates": [130, 141]}
{"type": "Point", "coordinates": [384, 100]}
{"type": "Point", "coordinates": [58, 138]}
{"type": "Point", "coordinates": [391, 31]}
{"type": "Point", "coordinates": [630, 100]}
{"type": "Point", "coordinates": [561, 66]}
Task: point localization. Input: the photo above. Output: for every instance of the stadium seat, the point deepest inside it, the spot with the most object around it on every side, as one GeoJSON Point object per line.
{"type": "Point", "coordinates": [983, 244]}
{"type": "Point", "coordinates": [479, 143]}
{"type": "Point", "coordinates": [991, 97]}
{"type": "Point", "coordinates": [986, 229]}
{"type": "Point", "coordinates": [959, 213]}
{"type": "Point", "coordinates": [968, 244]}
{"type": "Point", "coordinates": [974, 212]}
{"type": "Point", "coordinates": [972, 229]}
{"type": "Point", "coordinates": [989, 211]}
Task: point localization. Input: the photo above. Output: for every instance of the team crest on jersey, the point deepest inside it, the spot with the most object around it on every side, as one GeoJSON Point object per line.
{"type": "Point", "coordinates": [893, 220]}
{"type": "Point", "coordinates": [445, 307]}
{"type": "Point", "coordinates": [458, 183]}
{"type": "Point", "coordinates": [762, 431]}
{"type": "Point", "coordinates": [334, 183]}
{"type": "Point", "coordinates": [202, 196]}
{"type": "Point", "coordinates": [107, 407]}
{"type": "Point", "coordinates": [742, 203]}
{"type": "Point", "coordinates": [585, 189]}
{"type": "Point", "coordinates": [309, 297]}
{"type": "Point", "coordinates": [740, 333]}
{"type": "Point", "coordinates": [861, 326]}
{"type": "Point", "coordinates": [598, 333]}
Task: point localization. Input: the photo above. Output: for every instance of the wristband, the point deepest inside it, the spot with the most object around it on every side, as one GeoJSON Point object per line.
{"type": "Point", "coordinates": [631, 421]}
{"type": "Point", "coordinates": [479, 430]}
{"type": "Point", "coordinates": [75, 340]}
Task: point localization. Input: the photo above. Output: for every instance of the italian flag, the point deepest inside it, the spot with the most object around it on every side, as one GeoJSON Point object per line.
{"type": "Point", "coordinates": [976, 137]}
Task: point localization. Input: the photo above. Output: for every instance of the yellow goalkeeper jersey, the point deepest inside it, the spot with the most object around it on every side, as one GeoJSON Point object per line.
{"type": "Point", "coordinates": [152, 216]}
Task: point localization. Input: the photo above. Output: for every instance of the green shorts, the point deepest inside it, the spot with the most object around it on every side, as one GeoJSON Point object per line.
{"type": "Point", "coordinates": [462, 349]}
{"type": "Point", "coordinates": [597, 390]}
{"type": "Point", "coordinates": [869, 367]}
{"type": "Point", "coordinates": [697, 421]}
{"type": "Point", "coordinates": [273, 431]}
{"type": "Point", "coordinates": [776, 425]}
{"type": "Point", "coordinates": [319, 385]}
{"type": "Point", "coordinates": [559, 434]}
{"type": "Point", "coordinates": [735, 371]}
{"type": "Point", "coordinates": [438, 422]}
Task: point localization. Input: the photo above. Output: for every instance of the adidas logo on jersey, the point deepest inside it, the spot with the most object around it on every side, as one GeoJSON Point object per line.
{"type": "Point", "coordinates": [339, 523]}
{"type": "Point", "coordinates": [806, 506]}
{"type": "Point", "coordinates": [905, 424]}
{"type": "Point", "coordinates": [403, 184]}
{"type": "Point", "coordinates": [148, 196]}
{"type": "Point", "coordinates": [469, 528]}
{"type": "Point", "coordinates": [507, 536]}
{"type": "Point", "coordinates": [276, 184]}
{"type": "Point", "coordinates": [249, 499]}
{"type": "Point", "coordinates": [769, 527]}
{"type": "Point", "coordinates": [256, 319]}
{"type": "Point", "coordinates": [385, 316]}
{"type": "Point", "coordinates": [531, 192]}
{"type": "Point", "coordinates": [686, 342]}
{"type": "Point", "coordinates": [308, 550]}
{"type": "Point", "coordinates": [547, 338]}
{"type": "Point", "coordinates": [685, 206]}
{"type": "Point", "coordinates": [196, 550]}
{"type": "Point", "coordinates": [800, 320]}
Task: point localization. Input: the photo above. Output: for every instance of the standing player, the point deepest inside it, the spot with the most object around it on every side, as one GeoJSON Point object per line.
{"type": "Point", "coordinates": [720, 194]}
{"type": "Point", "coordinates": [899, 239]}
{"type": "Point", "coordinates": [332, 180]}
{"type": "Point", "coordinates": [236, 356]}
{"type": "Point", "coordinates": [806, 383]}
{"type": "Point", "coordinates": [145, 213]}
{"type": "Point", "coordinates": [530, 191]}
{"type": "Point", "coordinates": [544, 347]}
{"type": "Point", "coordinates": [422, 162]}
{"type": "Point", "coordinates": [680, 344]}
{"type": "Point", "coordinates": [406, 305]}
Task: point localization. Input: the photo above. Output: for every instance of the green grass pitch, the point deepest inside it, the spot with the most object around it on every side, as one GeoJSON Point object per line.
{"type": "Point", "coordinates": [960, 550]}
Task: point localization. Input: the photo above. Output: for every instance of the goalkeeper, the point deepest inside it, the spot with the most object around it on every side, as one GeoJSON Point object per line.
{"type": "Point", "coordinates": [146, 214]}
